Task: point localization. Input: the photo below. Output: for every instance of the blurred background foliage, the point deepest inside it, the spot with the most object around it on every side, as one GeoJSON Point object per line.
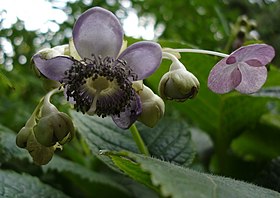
{"type": "Point", "coordinates": [202, 24]}
{"type": "Point", "coordinates": [221, 25]}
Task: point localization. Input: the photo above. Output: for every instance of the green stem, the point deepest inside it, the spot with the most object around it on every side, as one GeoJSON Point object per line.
{"type": "Point", "coordinates": [138, 140]}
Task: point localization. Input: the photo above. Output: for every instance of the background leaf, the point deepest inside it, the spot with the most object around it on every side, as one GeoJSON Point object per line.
{"type": "Point", "coordinates": [8, 147]}
{"type": "Point", "coordinates": [13, 184]}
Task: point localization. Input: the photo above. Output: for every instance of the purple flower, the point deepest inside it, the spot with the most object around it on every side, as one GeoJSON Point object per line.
{"type": "Point", "coordinates": [243, 70]}
{"type": "Point", "coordinates": [101, 82]}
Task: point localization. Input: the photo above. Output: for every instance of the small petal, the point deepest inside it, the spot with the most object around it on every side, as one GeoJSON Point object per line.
{"type": "Point", "coordinates": [130, 115]}
{"type": "Point", "coordinates": [253, 78]}
{"type": "Point", "coordinates": [53, 68]}
{"type": "Point", "coordinates": [143, 58]}
{"type": "Point", "coordinates": [258, 52]}
{"type": "Point", "coordinates": [97, 31]}
{"type": "Point", "coordinates": [223, 78]}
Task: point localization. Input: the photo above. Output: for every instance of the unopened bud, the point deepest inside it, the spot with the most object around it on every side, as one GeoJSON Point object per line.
{"type": "Point", "coordinates": [41, 155]}
{"type": "Point", "coordinates": [178, 84]}
{"type": "Point", "coordinates": [152, 107]}
{"type": "Point", "coordinates": [22, 136]}
{"type": "Point", "coordinates": [53, 128]}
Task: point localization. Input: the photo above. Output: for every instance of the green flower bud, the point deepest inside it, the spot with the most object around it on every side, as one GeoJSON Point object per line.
{"type": "Point", "coordinates": [41, 155]}
{"type": "Point", "coordinates": [22, 136]}
{"type": "Point", "coordinates": [178, 84]}
{"type": "Point", "coordinates": [152, 107]}
{"type": "Point", "coordinates": [54, 127]}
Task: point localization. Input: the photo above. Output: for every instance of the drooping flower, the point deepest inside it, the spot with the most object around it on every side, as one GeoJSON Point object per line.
{"type": "Point", "coordinates": [101, 82]}
{"type": "Point", "coordinates": [243, 70]}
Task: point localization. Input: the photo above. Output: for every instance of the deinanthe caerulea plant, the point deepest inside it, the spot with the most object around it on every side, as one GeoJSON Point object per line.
{"type": "Point", "coordinates": [100, 82]}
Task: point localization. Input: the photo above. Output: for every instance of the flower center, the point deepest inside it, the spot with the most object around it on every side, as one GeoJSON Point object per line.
{"type": "Point", "coordinates": [99, 86]}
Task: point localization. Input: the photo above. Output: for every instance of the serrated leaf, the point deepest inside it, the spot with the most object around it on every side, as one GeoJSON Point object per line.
{"type": "Point", "coordinates": [178, 182]}
{"type": "Point", "coordinates": [22, 185]}
{"type": "Point", "coordinates": [8, 147]}
{"type": "Point", "coordinates": [170, 140]}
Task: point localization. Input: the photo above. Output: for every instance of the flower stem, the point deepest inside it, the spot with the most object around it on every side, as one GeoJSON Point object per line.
{"type": "Point", "coordinates": [138, 140]}
{"type": "Point", "coordinates": [197, 51]}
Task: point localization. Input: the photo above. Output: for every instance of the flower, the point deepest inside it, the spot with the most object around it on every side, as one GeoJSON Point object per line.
{"type": "Point", "coordinates": [178, 84]}
{"type": "Point", "coordinates": [101, 81]}
{"type": "Point", "coordinates": [243, 70]}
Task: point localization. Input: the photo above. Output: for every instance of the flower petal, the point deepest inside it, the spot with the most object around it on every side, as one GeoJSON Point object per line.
{"type": "Point", "coordinates": [130, 115]}
{"type": "Point", "coordinates": [223, 77]}
{"type": "Point", "coordinates": [53, 68]}
{"type": "Point", "coordinates": [143, 58]}
{"type": "Point", "coordinates": [97, 31]}
{"type": "Point", "coordinates": [253, 78]}
{"type": "Point", "coordinates": [254, 54]}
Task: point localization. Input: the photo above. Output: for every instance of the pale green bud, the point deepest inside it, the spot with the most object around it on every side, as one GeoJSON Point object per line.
{"type": "Point", "coordinates": [152, 107]}
{"type": "Point", "coordinates": [22, 136]}
{"type": "Point", "coordinates": [54, 127]}
{"type": "Point", "coordinates": [41, 155]}
{"type": "Point", "coordinates": [178, 84]}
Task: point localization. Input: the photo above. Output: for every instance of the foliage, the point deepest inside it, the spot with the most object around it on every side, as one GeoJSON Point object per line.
{"type": "Point", "coordinates": [232, 135]}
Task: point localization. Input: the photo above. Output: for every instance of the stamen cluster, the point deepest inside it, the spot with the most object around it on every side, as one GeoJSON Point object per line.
{"type": "Point", "coordinates": [110, 102]}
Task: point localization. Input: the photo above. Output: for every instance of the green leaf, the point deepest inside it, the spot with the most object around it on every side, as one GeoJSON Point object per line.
{"type": "Point", "coordinates": [6, 81]}
{"type": "Point", "coordinates": [178, 182]}
{"type": "Point", "coordinates": [22, 185]}
{"type": "Point", "coordinates": [261, 142]}
{"type": "Point", "coordinates": [68, 167]}
{"type": "Point", "coordinates": [8, 147]}
{"type": "Point", "coordinates": [169, 140]}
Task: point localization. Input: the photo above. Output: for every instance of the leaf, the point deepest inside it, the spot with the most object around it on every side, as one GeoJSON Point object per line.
{"type": "Point", "coordinates": [62, 165]}
{"type": "Point", "coordinates": [261, 142]}
{"type": "Point", "coordinates": [8, 147]}
{"type": "Point", "coordinates": [270, 176]}
{"type": "Point", "coordinates": [4, 79]}
{"type": "Point", "coordinates": [178, 182]}
{"type": "Point", "coordinates": [169, 140]}
{"type": "Point", "coordinates": [22, 185]}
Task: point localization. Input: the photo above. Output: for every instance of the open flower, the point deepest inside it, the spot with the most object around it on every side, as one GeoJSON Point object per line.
{"type": "Point", "coordinates": [101, 82]}
{"type": "Point", "coordinates": [243, 70]}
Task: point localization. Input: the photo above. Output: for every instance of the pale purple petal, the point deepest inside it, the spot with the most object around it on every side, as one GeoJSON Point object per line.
{"type": "Point", "coordinates": [143, 58]}
{"type": "Point", "coordinates": [259, 53]}
{"type": "Point", "coordinates": [53, 68]}
{"type": "Point", "coordinates": [223, 78]}
{"type": "Point", "coordinates": [130, 115]}
{"type": "Point", "coordinates": [97, 31]}
{"type": "Point", "coordinates": [253, 78]}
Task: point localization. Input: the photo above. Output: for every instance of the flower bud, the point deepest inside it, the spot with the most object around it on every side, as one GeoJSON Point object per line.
{"type": "Point", "coordinates": [152, 107]}
{"type": "Point", "coordinates": [178, 84]}
{"type": "Point", "coordinates": [54, 127]}
{"type": "Point", "coordinates": [22, 136]}
{"type": "Point", "coordinates": [41, 155]}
